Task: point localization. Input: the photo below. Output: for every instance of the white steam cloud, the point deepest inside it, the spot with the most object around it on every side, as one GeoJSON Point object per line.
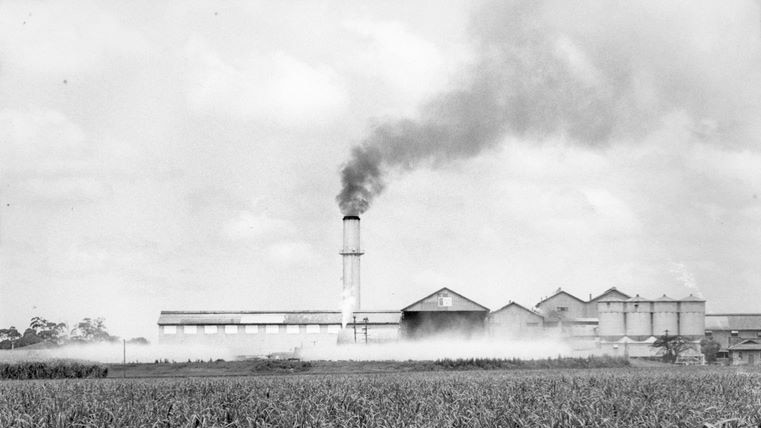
{"type": "Point", "coordinates": [440, 348]}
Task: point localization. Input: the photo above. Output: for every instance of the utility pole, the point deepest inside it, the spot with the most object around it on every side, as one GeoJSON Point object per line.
{"type": "Point", "coordinates": [355, 328]}
{"type": "Point", "coordinates": [124, 358]}
{"type": "Point", "coordinates": [365, 320]}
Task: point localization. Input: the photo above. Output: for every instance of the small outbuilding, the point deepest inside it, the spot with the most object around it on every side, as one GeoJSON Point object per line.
{"type": "Point", "coordinates": [746, 353]}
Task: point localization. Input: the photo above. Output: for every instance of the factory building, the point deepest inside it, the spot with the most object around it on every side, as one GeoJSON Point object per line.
{"type": "Point", "coordinates": [611, 323]}
{"type": "Point", "coordinates": [515, 321]}
{"type": "Point", "coordinates": [443, 312]}
{"type": "Point", "coordinates": [264, 333]}
{"type": "Point", "coordinates": [746, 353]}
{"type": "Point", "coordinates": [732, 329]}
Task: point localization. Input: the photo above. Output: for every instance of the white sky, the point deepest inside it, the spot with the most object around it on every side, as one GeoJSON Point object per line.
{"type": "Point", "coordinates": [158, 155]}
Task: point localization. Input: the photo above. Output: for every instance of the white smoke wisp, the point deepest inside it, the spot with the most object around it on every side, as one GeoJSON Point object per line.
{"type": "Point", "coordinates": [347, 305]}
{"type": "Point", "coordinates": [442, 348]}
{"type": "Point", "coordinates": [686, 278]}
{"type": "Point", "coordinates": [112, 353]}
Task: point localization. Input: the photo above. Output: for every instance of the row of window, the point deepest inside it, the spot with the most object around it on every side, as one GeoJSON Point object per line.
{"type": "Point", "coordinates": [249, 329]}
{"type": "Point", "coordinates": [733, 333]}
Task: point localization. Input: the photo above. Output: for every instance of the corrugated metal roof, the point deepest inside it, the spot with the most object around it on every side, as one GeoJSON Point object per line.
{"type": "Point", "coordinates": [559, 292]}
{"type": "Point", "coordinates": [269, 317]}
{"type": "Point", "coordinates": [692, 298]}
{"type": "Point", "coordinates": [746, 345]}
{"type": "Point", "coordinates": [664, 298]}
{"type": "Point", "coordinates": [516, 305]}
{"type": "Point", "coordinates": [431, 302]}
{"type": "Point", "coordinates": [733, 321]}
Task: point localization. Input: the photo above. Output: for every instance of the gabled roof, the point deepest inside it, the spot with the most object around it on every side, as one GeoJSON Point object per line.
{"type": "Point", "coordinates": [557, 293]}
{"type": "Point", "coordinates": [473, 306]}
{"type": "Point", "coordinates": [610, 291]}
{"type": "Point", "coordinates": [746, 345]}
{"type": "Point", "coordinates": [517, 305]}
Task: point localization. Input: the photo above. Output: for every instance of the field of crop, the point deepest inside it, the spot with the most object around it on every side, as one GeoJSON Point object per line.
{"type": "Point", "coordinates": [624, 397]}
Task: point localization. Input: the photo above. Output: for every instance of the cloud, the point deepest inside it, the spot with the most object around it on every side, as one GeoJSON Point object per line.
{"type": "Point", "coordinates": [50, 39]}
{"type": "Point", "coordinates": [46, 157]}
{"type": "Point", "coordinates": [269, 88]}
{"type": "Point", "coordinates": [289, 253]}
{"type": "Point", "coordinates": [406, 62]}
{"type": "Point", "coordinates": [248, 225]}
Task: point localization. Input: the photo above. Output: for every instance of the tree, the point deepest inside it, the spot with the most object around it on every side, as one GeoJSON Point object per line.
{"type": "Point", "coordinates": [91, 330]}
{"type": "Point", "coordinates": [670, 347]}
{"type": "Point", "coordinates": [9, 337]}
{"type": "Point", "coordinates": [138, 341]}
{"type": "Point", "coordinates": [48, 331]}
{"type": "Point", "coordinates": [709, 348]}
{"type": "Point", "coordinates": [28, 338]}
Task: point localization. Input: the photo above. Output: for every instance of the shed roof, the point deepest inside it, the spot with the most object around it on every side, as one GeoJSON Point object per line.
{"type": "Point", "coordinates": [430, 303]}
{"type": "Point", "coordinates": [733, 321]}
{"type": "Point", "coordinates": [272, 317]}
{"type": "Point", "coordinates": [746, 345]}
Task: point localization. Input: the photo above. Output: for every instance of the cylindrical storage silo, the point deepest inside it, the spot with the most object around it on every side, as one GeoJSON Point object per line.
{"type": "Point", "coordinates": [665, 316]}
{"type": "Point", "coordinates": [692, 317]}
{"type": "Point", "coordinates": [611, 324]}
{"type": "Point", "coordinates": [638, 318]}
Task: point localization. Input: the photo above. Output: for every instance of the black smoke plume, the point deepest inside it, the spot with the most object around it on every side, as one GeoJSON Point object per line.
{"type": "Point", "coordinates": [589, 72]}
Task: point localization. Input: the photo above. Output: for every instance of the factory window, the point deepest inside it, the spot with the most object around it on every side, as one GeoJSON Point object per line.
{"type": "Point", "coordinates": [189, 329]}
{"type": "Point", "coordinates": [252, 329]}
{"type": "Point", "coordinates": [292, 329]}
{"type": "Point", "coordinates": [334, 328]}
{"type": "Point", "coordinates": [445, 300]}
{"type": "Point", "coordinates": [231, 329]}
{"type": "Point", "coordinates": [758, 334]}
{"type": "Point", "coordinates": [272, 329]}
{"type": "Point", "coordinates": [210, 329]}
{"type": "Point", "coordinates": [709, 333]}
{"type": "Point", "coordinates": [734, 333]}
{"type": "Point", "coordinates": [740, 355]}
{"type": "Point", "coordinates": [562, 308]}
{"type": "Point", "coordinates": [170, 329]}
{"type": "Point", "coordinates": [313, 329]}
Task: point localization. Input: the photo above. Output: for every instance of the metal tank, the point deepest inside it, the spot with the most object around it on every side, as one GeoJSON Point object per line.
{"type": "Point", "coordinates": [638, 318]}
{"type": "Point", "coordinates": [665, 316]}
{"type": "Point", "coordinates": [610, 314]}
{"type": "Point", "coordinates": [692, 310]}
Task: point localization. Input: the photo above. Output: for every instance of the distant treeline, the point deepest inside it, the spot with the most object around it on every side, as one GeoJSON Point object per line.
{"type": "Point", "coordinates": [51, 370]}
{"type": "Point", "coordinates": [590, 362]}
{"type": "Point", "coordinates": [44, 333]}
